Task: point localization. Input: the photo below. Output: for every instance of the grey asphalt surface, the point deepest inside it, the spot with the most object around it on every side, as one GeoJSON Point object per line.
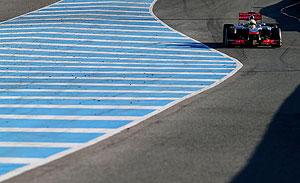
{"type": "Point", "coordinates": [244, 130]}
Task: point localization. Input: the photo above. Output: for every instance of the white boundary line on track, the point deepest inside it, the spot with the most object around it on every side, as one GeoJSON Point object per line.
{"type": "Point", "coordinates": [58, 130]}
{"type": "Point", "coordinates": [93, 91]}
{"type": "Point", "coordinates": [116, 63]}
{"type": "Point", "coordinates": [92, 29]}
{"type": "Point", "coordinates": [118, 58]}
{"type": "Point", "coordinates": [105, 78]}
{"type": "Point", "coordinates": [75, 14]}
{"type": "Point", "coordinates": [135, 122]}
{"type": "Point", "coordinates": [110, 72]}
{"type": "Point", "coordinates": [125, 2]}
{"type": "Point", "coordinates": [37, 144]}
{"type": "Point", "coordinates": [99, 6]}
{"type": "Point", "coordinates": [89, 24]}
{"type": "Point", "coordinates": [98, 46]}
{"type": "Point", "coordinates": [72, 118]}
{"type": "Point", "coordinates": [76, 106]}
{"type": "Point", "coordinates": [19, 160]}
{"type": "Point", "coordinates": [91, 34]}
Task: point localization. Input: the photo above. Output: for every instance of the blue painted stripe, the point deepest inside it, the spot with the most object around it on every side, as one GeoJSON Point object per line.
{"type": "Point", "coordinates": [161, 102]}
{"type": "Point", "coordinates": [81, 112]}
{"type": "Point", "coordinates": [174, 76]}
{"type": "Point", "coordinates": [93, 37]}
{"type": "Point", "coordinates": [109, 54]}
{"type": "Point", "coordinates": [6, 167]}
{"type": "Point", "coordinates": [116, 69]}
{"type": "Point", "coordinates": [112, 81]}
{"type": "Point", "coordinates": [35, 123]}
{"type": "Point", "coordinates": [99, 3]}
{"type": "Point", "coordinates": [96, 8]}
{"type": "Point", "coordinates": [82, 25]}
{"type": "Point", "coordinates": [111, 17]}
{"type": "Point", "coordinates": [220, 60]}
{"type": "Point", "coordinates": [45, 40]}
{"type": "Point", "coordinates": [28, 152]}
{"type": "Point", "coordinates": [94, 94]}
{"type": "Point", "coordinates": [54, 137]}
{"type": "Point", "coordinates": [180, 65]}
{"type": "Point", "coordinates": [91, 12]}
{"type": "Point", "coordinates": [100, 21]}
{"type": "Point", "coordinates": [148, 33]}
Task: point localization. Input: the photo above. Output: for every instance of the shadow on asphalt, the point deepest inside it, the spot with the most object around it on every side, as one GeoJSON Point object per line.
{"type": "Point", "coordinates": [277, 157]}
{"type": "Point", "coordinates": [286, 23]}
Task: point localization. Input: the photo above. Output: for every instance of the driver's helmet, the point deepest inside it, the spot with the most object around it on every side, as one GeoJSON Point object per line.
{"type": "Point", "coordinates": [252, 22]}
{"type": "Point", "coordinates": [251, 17]}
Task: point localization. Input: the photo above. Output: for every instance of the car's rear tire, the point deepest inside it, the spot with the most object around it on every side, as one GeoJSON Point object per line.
{"type": "Point", "coordinates": [227, 34]}
{"type": "Point", "coordinates": [276, 35]}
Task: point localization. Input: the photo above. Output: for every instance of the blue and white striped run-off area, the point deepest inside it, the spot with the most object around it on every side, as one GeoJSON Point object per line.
{"type": "Point", "coordinates": [78, 71]}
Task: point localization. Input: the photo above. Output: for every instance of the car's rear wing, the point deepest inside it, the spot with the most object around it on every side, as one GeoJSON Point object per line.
{"type": "Point", "coordinates": [246, 15]}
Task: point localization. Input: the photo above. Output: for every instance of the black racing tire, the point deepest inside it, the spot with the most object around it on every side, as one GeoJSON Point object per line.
{"type": "Point", "coordinates": [226, 34]}
{"type": "Point", "coordinates": [276, 35]}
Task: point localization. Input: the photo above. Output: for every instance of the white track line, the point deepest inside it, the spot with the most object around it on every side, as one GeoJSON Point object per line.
{"type": "Point", "coordinates": [93, 2]}
{"type": "Point", "coordinates": [76, 106]}
{"type": "Point", "coordinates": [20, 160]}
{"type": "Point", "coordinates": [99, 6]}
{"type": "Point", "coordinates": [106, 78]}
{"type": "Point", "coordinates": [126, 2]}
{"type": "Point", "coordinates": [59, 130]}
{"type": "Point", "coordinates": [83, 63]}
{"type": "Point", "coordinates": [91, 91]}
{"type": "Point", "coordinates": [38, 144]}
{"type": "Point", "coordinates": [92, 34]}
{"type": "Point", "coordinates": [204, 58]}
{"type": "Point", "coordinates": [90, 14]}
{"type": "Point", "coordinates": [89, 19]}
{"type": "Point", "coordinates": [88, 24]}
{"type": "Point", "coordinates": [106, 67]}
{"type": "Point", "coordinates": [284, 9]}
{"type": "Point", "coordinates": [87, 29]}
{"type": "Point", "coordinates": [98, 46]}
{"type": "Point", "coordinates": [84, 98]}
{"type": "Point", "coordinates": [110, 72]}
{"type": "Point", "coordinates": [80, 118]}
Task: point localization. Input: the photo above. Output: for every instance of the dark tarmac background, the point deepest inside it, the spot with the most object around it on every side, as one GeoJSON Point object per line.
{"type": "Point", "coordinates": [246, 129]}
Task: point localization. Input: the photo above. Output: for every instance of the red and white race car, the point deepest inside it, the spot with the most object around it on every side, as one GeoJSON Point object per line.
{"type": "Point", "coordinates": [251, 32]}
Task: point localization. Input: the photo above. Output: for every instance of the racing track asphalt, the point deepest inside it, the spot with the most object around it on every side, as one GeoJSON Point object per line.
{"type": "Point", "coordinates": [244, 130]}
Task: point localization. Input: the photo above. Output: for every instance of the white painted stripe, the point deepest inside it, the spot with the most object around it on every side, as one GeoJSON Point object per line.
{"type": "Point", "coordinates": [76, 106]}
{"type": "Point", "coordinates": [103, 46]}
{"type": "Point", "coordinates": [113, 58]}
{"type": "Point", "coordinates": [58, 130]}
{"type": "Point", "coordinates": [91, 24]}
{"type": "Point", "coordinates": [91, 91]}
{"type": "Point", "coordinates": [82, 63]}
{"type": "Point", "coordinates": [81, 118]}
{"type": "Point", "coordinates": [87, 29]}
{"type": "Point", "coordinates": [98, 6]}
{"type": "Point", "coordinates": [104, 52]}
{"type": "Point", "coordinates": [109, 67]}
{"type": "Point", "coordinates": [87, 14]}
{"type": "Point", "coordinates": [37, 144]}
{"type": "Point", "coordinates": [83, 40]}
{"type": "Point", "coordinates": [20, 160]}
{"type": "Point", "coordinates": [83, 98]}
{"type": "Point", "coordinates": [94, 2]}
{"type": "Point", "coordinates": [89, 34]}
{"type": "Point", "coordinates": [111, 72]}
{"type": "Point", "coordinates": [92, 19]}
{"type": "Point", "coordinates": [108, 78]}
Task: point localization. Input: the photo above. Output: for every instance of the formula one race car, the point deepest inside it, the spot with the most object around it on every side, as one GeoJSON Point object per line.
{"type": "Point", "coordinates": [251, 33]}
